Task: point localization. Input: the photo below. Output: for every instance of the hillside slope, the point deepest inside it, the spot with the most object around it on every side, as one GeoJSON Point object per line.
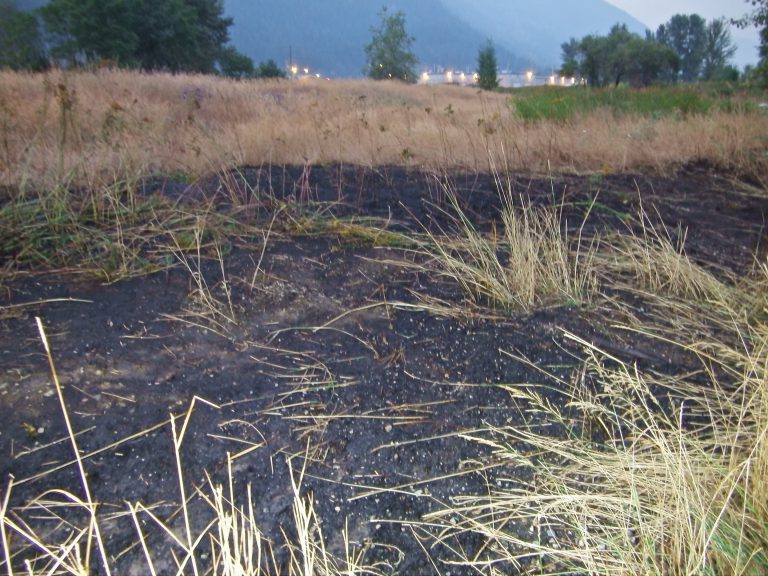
{"type": "Point", "coordinates": [535, 30]}
{"type": "Point", "coordinates": [329, 36]}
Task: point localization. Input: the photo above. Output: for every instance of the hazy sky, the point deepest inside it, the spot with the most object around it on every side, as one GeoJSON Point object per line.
{"type": "Point", "coordinates": [655, 12]}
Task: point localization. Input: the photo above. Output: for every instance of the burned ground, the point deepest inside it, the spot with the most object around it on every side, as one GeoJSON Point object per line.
{"type": "Point", "coordinates": [327, 360]}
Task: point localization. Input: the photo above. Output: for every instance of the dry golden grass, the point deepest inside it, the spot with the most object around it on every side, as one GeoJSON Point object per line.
{"type": "Point", "coordinates": [98, 127]}
{"type": "Point", "coordinates": [654, 259]}
{"type": "Point", "coordinates": [531, 261]}
{"type": "Point", "coordinates": [649, 474]}
{"type": "Point", "coordinates": [632, 487]}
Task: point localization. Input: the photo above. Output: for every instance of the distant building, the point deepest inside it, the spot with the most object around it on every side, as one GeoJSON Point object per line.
{"type": "Point", "coordinates": [440, 75]}
{"type": "Point", "coordinates": [507, 79]}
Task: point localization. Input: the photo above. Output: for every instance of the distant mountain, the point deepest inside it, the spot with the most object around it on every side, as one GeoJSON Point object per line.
{"type": "Point", "coordinates": [329, 35]}
{"type": "Point", "coordinates": [535, 30]}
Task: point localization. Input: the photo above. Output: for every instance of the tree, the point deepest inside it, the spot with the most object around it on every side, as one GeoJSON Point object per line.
{"type": "Point", "coordinates": [176, 35]}
{"type": "Point", "coordinates": [584, 58]}
{"type": "Point", "coordinates": [571, 56]}
{"type": "Point", "coordinates": [212, 33]}
{"type": "Point", "coordinates": [389, 53]}
{"type": "Point", "coordinates": [86, 30]}
{"type": "Point", "coordinates": [235, 64]}
{"type": "Point", "coordinates": [487, 77]}
{"type": "Point", "coordinates": [621, 56]}
{"type": "Point", "coordinates": [619, 53]}
{"type": "Point", "coordinates": [268, 69]}
{"type": "Point", "coordinates": [719, 48]}
{"type": "Point", "coordinates": [686, 35]}
{"type": "Point", "coordinates": [758, 18]}
{"type": "Point", "coordinates": [651, 62]}
{"type": "Point", "coordinates": [21, 45]}
{"type": "Point", "coordinates": [166, 35]}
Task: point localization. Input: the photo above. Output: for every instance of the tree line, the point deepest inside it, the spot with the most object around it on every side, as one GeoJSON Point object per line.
{"type": "Point", "coordinates": [172, 35]}
{"type": "Point", "coordinates": [758, 18]}
{"type": "Point", "coordinates": [193, 36]}
{"type": "Point", "coordinates": [389, 54]}
{"type": "Point", "coordinates": [687, 48]}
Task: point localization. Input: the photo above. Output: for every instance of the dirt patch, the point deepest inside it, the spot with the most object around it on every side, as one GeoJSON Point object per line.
{"type": "Point", "coordinates": [329, 357]}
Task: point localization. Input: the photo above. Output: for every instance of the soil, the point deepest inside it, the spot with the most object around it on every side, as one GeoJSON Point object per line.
{"type": "Point", "coordinates": [329, 367]}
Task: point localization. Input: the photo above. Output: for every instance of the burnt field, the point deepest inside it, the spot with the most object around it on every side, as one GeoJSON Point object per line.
{"type": "Point", "coordinates": [390, 369]}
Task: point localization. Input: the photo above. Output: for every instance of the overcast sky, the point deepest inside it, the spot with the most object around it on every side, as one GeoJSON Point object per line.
{"type": "Point", "coordinates": [655, 12]}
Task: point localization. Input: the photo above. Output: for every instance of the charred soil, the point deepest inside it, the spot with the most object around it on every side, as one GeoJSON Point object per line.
{"type": "Point", "coordinates": [322, 355]}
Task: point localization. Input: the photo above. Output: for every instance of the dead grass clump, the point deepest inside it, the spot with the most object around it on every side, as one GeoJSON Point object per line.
{"type": "Point", "coordinates": [655, 475]}
{"type": "Point", "coordinates": [206, 308]}
{"type": "Point", "coordinates": [757, 288]}
{"type": "Point", "coordinates": [532, 261]}
{"type": "Point", "coordinates": [654, 260]}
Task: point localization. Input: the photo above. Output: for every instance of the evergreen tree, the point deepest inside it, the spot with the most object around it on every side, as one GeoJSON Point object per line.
{"type": "Point", "coordinates": [389, 53]}
{"type": "Point", "coordinates": [487, 77]}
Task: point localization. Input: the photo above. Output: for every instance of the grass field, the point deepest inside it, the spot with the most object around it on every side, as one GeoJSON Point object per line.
{"type": "Point", "coordinates": [95, 129]}
{"type": "Point", "coordinates": [647, 473]}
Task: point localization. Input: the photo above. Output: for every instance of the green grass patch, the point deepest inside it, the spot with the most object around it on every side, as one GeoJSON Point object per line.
{"type": "Point", "coordinates": [563, 104]}
{"type": "Point", "coordinates": [356, 231]}
{"type": "Point", "coordinates": [109, 233]}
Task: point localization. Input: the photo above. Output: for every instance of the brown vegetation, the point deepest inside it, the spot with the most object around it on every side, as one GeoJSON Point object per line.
{"type": "Point", "coordinates": [95, 128]}
{"type": "Point", "coordinates": [588, 376]}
